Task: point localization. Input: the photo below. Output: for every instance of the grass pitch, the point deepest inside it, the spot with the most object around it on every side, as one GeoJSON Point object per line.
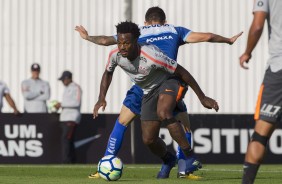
{"type": "Point", "coordinates": [145, 174]}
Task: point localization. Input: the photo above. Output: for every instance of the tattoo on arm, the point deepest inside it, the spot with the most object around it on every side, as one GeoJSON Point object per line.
{"type": "Point", "coordinates": [102, 40]}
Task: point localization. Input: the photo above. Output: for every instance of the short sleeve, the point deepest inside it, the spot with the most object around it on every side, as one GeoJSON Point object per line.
{"type": "Point", "coordinates": [183, 32]}
{"type": "Point", "coordinates": [112, 60]}
{"type": "Point", "coordinates": [261, 5]}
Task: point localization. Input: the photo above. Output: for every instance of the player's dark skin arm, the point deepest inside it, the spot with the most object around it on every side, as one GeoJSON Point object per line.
{"type": "Point", "coordinates": [99, 40]}
{"type": "Point", "coordinates": [102, 40]}
{"type": "Point", "coordinates": [104, 86]}
{"type": "Point", "coordinates": [189, 79]}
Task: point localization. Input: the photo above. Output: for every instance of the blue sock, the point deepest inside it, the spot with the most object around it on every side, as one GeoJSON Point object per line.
{"type": "Point", "coordinates": [180, 154]}
{"type": "Point", "coordinates": [115, 139]}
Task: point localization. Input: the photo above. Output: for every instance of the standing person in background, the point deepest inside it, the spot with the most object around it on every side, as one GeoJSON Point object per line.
{"type": "Point", "coordinates": [70, 115]}
{"type": "Point", "coordinates": [36, 92]}
{"type": "Point", "coordinates": [5, 92]}
{"type": "Point", "coordinates": [269, 105]}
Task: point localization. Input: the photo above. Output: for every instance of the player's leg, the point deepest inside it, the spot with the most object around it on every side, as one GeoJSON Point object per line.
{"type": "Point", "coordinates": [131, 107]}
{"type": "Point", "coordinates": [256, 150]}
{"type": "Point", "coordinates": [268, 114]}
{"type": "Point", "coordinates": [166, 105]}
{"type": "Point", "coordinates": [150, 136]}
{"type": "Point", "coordinates": [117, 134]}
{"type": "Point", "coordinates": [184, 119]}
{"type": "Point", "coordinates": [171, 94]}
{"type": "Point", "coordinates": [186, 166]}
{"type": "Point", "coordinates": [150, 132]}
{"type": "Point", "coordinates": [67, 139]}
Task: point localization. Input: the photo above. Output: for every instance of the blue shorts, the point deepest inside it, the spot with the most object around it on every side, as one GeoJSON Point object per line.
{"type": "Point", "coordinates": [133, 99]}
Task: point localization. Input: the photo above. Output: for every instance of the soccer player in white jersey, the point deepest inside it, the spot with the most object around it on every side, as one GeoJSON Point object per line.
{"type": "Point", "coordinates": [269, 105]}
{"type": "Point", "coordinates": [168, 38]}
{"type": "Point", "coordinates": [161, 79]}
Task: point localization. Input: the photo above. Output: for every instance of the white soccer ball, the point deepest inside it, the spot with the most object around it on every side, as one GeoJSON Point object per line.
{"type": "Point", "coordinates": [51, 106]}
{"type": "Point", "coordinates": [110, 168]}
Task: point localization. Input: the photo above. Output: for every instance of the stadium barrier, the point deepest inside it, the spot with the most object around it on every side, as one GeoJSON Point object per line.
{"type": "Point", "coordinates": [35, 139]}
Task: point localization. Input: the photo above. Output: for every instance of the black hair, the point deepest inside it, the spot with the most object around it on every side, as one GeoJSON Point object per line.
{"type": "Point", "coordinates": [155, 13]}
{"type": "Point", "coordinates": [128, 27]}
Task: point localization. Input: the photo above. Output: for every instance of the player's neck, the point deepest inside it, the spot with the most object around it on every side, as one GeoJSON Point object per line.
{"type": "Point", "coordinates": [135, 53]}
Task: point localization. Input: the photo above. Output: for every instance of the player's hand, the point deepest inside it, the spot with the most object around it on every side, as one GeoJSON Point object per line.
{"type": "Point", "coordinates": [17, 112]}
{"type": "Point", "coordinates": [234, 38]}
{"type": "Point", "coordinates": [58, 105]}
{"type": "Point", "coordinates": [209, 103]}
{"type": "Point", "coordinates": [82, 31]}
{"type": "Point", "coordinates": [245, 59]}
{"type": "Point", "coordinates": [101, 103]}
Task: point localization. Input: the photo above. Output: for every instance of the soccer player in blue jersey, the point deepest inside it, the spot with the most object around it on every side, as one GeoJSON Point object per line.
{"type": "Point", "coordinates": [168, 38]}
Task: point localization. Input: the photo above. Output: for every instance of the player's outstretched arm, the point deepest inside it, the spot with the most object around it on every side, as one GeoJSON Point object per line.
{"type": "Point", "coordinates": [189, 79]}
{"type": "Point", "coordinates": [104, 86]}
{"type": "Point", "coordinates": [99, 40]}
{"type": "Point", "coordinates": [253, 37]}
{"type": "Point", "coordinates": [196, 37]}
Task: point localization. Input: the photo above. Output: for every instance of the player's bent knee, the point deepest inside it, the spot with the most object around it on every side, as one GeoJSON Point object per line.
{"type": "Point", "coordinates": [259, 138]}
{"type": "Point", "coordinates": [169, 121]}
{"type": "Point", "coordinates": [125, 122]}
{"type": "Point", "coordinates": [148, 141]}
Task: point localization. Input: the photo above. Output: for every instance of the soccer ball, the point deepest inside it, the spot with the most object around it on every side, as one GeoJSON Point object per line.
{"type": "Point", "coordinates": [110, 168]}
{"type": "Point", "coordinates": [51, 106]}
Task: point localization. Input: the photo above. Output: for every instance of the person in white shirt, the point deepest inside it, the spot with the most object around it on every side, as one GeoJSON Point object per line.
{"type": "Point", "coordinates": [70, 115]}
{"type": "Point", "coordinates": [35, 92]}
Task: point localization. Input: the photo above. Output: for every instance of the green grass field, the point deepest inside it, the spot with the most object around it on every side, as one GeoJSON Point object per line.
{"type": "Point", "coordinates": [68, 174]}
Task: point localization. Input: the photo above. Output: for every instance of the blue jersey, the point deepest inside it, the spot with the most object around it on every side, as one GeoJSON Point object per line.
{"type": "Point", "coordinates": [167, 37]}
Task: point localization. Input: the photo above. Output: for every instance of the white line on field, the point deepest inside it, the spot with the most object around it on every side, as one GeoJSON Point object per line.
{"type": "Point", "coordinates": [215, 170]}
{"type": "Point", "coordinates": [129, 167]}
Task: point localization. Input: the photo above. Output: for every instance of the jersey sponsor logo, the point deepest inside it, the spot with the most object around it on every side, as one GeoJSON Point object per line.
{"type": "Point", "coordinates": [270, 110]}
{"type": "Point", "coordinates": [159, 38]}
{"type": "Point", "coordinates": [166, 58]}
{"type": "Point", "coordinates": [155, 25]}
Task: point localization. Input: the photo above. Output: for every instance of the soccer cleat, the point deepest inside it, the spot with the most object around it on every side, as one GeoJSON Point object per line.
{"type": "Point", "coordinates": [167, 166]}
{"type": "Point", "coordinates": [188, 176]}
{"type": "Point", "coordinates": [94, 175]}
{"type": "Point", "coordinates": [192, 164]}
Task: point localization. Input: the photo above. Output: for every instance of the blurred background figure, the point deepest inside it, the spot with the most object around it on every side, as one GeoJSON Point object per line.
{"type": "Point", "coordinates": [35, 92]}
{"type": "Point", "coordinates": [5, 92]}
{"type": "Point", "coordinates": [70, 115]}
